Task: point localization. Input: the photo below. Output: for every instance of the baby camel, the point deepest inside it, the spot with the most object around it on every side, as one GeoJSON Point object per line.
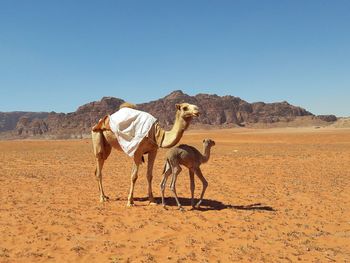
{"type": "Point", "coordinates": [191, 158]}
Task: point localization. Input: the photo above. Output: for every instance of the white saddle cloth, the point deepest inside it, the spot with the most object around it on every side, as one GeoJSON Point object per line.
{"type": "Point", "coordinates": [130, 126]}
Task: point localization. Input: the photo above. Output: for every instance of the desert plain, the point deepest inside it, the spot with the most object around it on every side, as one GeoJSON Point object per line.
{"type": "Point", "coordinates": [274, 195]}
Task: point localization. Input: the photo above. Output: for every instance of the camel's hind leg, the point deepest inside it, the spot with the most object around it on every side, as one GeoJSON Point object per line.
{"type": "Point", "coordinates": [166, 173]}
{"type": "Point", "coordinates": [98, 173]}
{"type": "Point", "coordinates": [176, 170]}
{"type": "Point", "coordinates": [102, 150]}
{"type": "Point", "coordinates": [205, 185]}
{"type": "Point", "coordinates": [134, 175]}
{"type": "Point", "coordinates": [151, 158]}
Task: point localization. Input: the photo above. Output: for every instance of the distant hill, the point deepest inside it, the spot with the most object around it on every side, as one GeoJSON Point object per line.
{"type": "Point", "coordinates": [8, 120]}
{"type": "Point", "coordinates": [216, 111]}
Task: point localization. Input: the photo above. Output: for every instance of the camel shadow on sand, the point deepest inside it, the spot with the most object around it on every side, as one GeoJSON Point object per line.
{"type": "Point", "coordinates": [209, 204]}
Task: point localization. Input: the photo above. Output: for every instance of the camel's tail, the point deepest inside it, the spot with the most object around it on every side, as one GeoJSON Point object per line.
{"type": "Point", "coordinates": [166, 166]}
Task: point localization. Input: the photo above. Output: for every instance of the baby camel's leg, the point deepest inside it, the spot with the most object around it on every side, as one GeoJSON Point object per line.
{"type": "Point", "coordinates": [205, 185]}
{"type": "Point", "coordinates": [167, 172]}
{"type": "Point", "coordinates": [192, 186]}
{"type": "Point", "coordinates": [176, 170]}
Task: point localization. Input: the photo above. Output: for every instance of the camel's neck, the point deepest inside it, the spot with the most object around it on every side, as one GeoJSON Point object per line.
{"type": "Point", "coordinates": [172, 137]}
{"type": "Point", "coordinates": [206, 153]}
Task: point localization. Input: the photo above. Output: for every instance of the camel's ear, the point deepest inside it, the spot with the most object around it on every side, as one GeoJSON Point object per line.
{"type": "Point", "coordinates": [178, 106]}
{"type": "Point", "coordinates": [203, 140]}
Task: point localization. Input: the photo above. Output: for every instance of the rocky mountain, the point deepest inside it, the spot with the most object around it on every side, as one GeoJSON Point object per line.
{"type": "Point", "coordinates": [215, 111]}
{"type": "Point", "coordinates": [73, 124]}
{"type": "Point", "coordinates": [9, 120]}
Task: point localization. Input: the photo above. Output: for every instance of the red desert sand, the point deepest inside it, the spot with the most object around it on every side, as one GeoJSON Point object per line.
{"type": "Point", "coordinates": [274, 195]}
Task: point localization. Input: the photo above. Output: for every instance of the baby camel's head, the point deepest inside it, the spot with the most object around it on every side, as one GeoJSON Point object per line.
{"type": "Point", "coordinates": [208, 143]}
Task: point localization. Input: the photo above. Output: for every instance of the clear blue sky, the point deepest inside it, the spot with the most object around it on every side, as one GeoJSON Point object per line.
{"type": "Point", "coordinates": [59, 54]}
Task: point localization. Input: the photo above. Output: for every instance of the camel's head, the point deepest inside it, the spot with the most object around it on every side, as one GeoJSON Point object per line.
{"type": "Point", "coordinates": [187, 111]}
{"type": "Point", "coordinates": [208, 143]}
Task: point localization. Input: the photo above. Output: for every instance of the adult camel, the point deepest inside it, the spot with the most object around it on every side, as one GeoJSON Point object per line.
{"type": "Point", "coordinates": [103, 140]}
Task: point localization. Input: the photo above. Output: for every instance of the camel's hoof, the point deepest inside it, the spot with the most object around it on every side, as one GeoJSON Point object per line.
{"type": "Point", "coordinates": [104, 198]}
{"type": "Point", "coordinates": [181, 209]}
{"type": "Point", "coordinates": [198, 205]}
{"type": "Point", "coordinates": [130, 204]}
{"type": "Point", "coordinates": [152, 200]}
{"type": "Point", "coordinates": [165, 207]}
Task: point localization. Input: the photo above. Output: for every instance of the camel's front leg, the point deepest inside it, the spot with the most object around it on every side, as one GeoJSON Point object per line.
{"type": "Point", "coordinates": [134, 175]}
{"type": "Point", "coordinates": [151, 158]}
{"type": "Point", "coordinates": [205, 185]}
{"type": "Point", "coordinates": [98, 174]}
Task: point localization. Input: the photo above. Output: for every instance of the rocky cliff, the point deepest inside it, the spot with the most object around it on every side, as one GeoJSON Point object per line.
{"type": "Point", "coordinates": [215, 111]}
{"type": "Point", "coordinates": [9, 120]}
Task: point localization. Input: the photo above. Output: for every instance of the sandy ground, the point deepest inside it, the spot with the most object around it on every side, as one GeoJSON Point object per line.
{"type": "Point", "coordinates": [273, 196]}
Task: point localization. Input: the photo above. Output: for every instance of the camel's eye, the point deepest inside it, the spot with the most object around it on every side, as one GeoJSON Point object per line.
{"type": "Point", "coordinates": [185, 108]}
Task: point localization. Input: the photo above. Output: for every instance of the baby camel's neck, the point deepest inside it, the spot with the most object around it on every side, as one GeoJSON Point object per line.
{"type": "Point", "coordinates": [206, 153]}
